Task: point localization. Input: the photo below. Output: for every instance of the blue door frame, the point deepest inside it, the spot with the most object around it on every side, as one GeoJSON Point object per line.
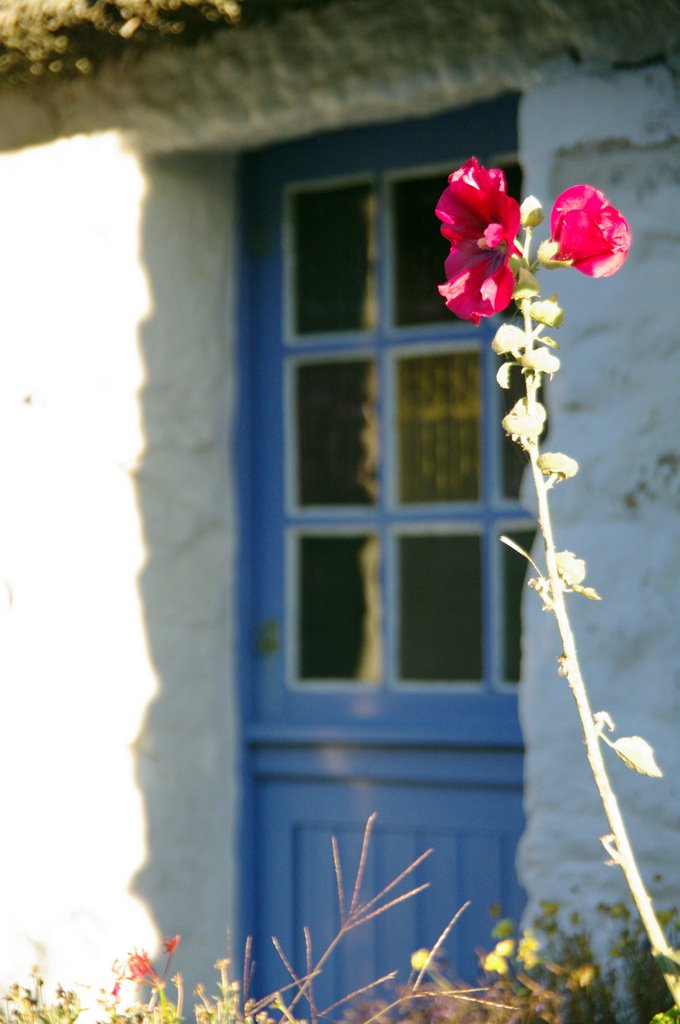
{"type": "Point", "coordinates": [441, 768]}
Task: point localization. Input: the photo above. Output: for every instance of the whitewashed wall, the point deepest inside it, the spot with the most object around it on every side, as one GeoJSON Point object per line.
{"type": "Point", "coordinates": [117, 697]}
{"type": "Point", "coordinates": [116, 537]}
{"type": "Point", "coordinates": [615, 406]}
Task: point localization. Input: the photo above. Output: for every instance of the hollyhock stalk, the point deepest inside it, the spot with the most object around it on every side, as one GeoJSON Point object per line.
{"type": "Point", "coordinates": [552, 591]}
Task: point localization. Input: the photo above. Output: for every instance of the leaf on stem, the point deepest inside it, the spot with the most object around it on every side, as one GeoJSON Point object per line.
{"type": "Point", "coordinates": [571, 570]}
{"type": "Point", "coordinates": [503, 375]}
{"type": "Point", "coordinates": [588, 592]}
{"type": "Point", "coordinates": [637, 754]}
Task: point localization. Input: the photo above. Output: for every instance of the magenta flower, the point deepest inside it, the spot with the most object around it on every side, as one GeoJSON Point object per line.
{"type": "Point", "coordinates": [589, 232]}
{"type": "Point", "coordinates": [481, 221]}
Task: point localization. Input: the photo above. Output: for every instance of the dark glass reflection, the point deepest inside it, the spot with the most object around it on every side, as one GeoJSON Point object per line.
{"type": "Point", "coordinates": [337, 432]}
{"type": "Point", "coordinates": [440, 607]}
{"type": "Point", "coordinates": [339, 625]}
{"type": "Point", "coordinates": [514, 569]}
{"type": "Point", "coordinates": [333, 259]}
{"type": "Point", "coordinates": [419, 251]}
{"type": "Point", "coordinates": [438, 411]}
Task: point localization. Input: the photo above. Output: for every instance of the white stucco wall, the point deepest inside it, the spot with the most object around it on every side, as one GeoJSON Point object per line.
{"type": "Point", "coordinates": [118, 717]}
{"type": "Point", "coordinates": [615, 407]}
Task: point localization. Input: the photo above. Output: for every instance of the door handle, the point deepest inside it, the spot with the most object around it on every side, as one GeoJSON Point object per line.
{"type": "Point", "coordinates": [267, 637]}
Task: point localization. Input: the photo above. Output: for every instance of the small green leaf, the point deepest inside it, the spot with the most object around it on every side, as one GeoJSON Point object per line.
{"type": "Point", "coordinates": [671, 1016]}
{"type": "Point", "coordinates": [637, 754]}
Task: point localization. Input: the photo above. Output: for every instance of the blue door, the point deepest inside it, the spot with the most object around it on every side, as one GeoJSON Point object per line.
{"type": "Point", "coordinates": [380, 613]}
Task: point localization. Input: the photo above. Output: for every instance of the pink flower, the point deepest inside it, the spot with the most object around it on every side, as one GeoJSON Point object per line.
{"type": "Point", "coordinates": [481, 221]}
{"type": "Point", "coordinates": [170, 945]}
{"type": "Point", "coordinates": [589, 232]}
{"type": "Point", "coordinates": [141, 969]}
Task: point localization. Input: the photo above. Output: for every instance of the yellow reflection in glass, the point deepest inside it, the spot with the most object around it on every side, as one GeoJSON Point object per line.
{"type": "Point", "coordinates": [438, 427]}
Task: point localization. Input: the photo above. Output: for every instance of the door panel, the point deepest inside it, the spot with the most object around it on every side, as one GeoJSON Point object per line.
{"type": "Point", "coordinates": [380, 619]}
{"type": "Point", "coordinates": [471, 829]}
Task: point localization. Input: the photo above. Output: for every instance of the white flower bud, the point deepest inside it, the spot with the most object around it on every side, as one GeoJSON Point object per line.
{"type": "Point", "coordinates": [547, 312]}
{"type": "Point", "coordinates": [541, 361]}
{"type": "Point", "coordinates": [531, 212]}
{"type": "Point", "coordinates": [557, 464]}
{"type": "Point", "coordinates": [520, 423]}
{"type": "Point", "coordinates": [509, 339]}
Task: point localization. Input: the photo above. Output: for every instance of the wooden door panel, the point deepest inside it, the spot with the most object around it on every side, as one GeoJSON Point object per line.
{"type": "Point", "coordinates": [473, 832]}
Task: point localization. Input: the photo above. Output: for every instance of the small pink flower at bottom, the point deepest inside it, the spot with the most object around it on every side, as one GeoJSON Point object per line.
{"type": "Point", "coordinates": [589, 231]}
{"type": "Point", "coordinates": [170, 945]}
{"type": "Point", "coordinates": [481, 221]}
{"type": "Point", "coordinates": [140, 968]}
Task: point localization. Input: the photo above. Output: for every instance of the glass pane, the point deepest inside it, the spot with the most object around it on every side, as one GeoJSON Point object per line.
{"type": "Point", "coordinates": [515, 569]}
{"type": "Point", "coordinates": [438, 410]}
{"type": "Point", "coordinates": [440, 607]}
{"type": "Point", "coordinates": [339, 627]}
{"type": "Point", "coordinates": [337, 432]}
{"type": "Point", "coordinates": [419, 252]}
{"type": "Point", "coordinates": [333, 259]}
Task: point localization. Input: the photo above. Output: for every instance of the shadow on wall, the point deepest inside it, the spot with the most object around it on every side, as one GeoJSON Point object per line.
{"type": "Point", "coordinates": [185, 754]}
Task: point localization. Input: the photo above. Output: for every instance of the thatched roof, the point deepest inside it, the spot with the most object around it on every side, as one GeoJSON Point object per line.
{"type": "Point", "coordinates": [42, 38]}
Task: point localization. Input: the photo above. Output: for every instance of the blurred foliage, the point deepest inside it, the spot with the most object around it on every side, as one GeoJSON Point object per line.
{"type": "Point", "coordinates": [547, 974]}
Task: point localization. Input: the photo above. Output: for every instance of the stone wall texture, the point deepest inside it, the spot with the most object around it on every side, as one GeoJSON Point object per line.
{"type": "Point", "coordinates": [117, 520]}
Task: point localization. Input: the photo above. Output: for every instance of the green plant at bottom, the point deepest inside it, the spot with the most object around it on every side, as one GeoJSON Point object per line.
{"type": "Point", "coordinates": [548, 974]}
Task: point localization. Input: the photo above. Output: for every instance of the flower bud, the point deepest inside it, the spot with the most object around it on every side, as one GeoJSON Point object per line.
{"type": "Point", "coordinates": [541, 361]}
{"type": "Point", "coordinates": [526, 285]}
{"type": "Point", "coordinates": [508, 339]}
{"type": "Point", "coordinates": [547, 312]}
{"type": "Point", "coordinates": [531, 212]}
{"type": "Point", "coordinates": [557, 464]}
{"type": "Point", "coordinates": [520, 423]}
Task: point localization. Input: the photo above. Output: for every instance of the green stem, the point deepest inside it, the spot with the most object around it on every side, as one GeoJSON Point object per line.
{"type": "Point", "coordinates": [622, 852]}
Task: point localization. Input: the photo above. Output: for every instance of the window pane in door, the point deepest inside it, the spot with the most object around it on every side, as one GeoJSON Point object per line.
{"type": "Point", "coordinates": [339, 607]}
{"type": "Point", "coordinates": [337, 432]}
{"type": "Point", "coordinates": [333, 259]}
{"type": "Point", "coordinates": [438, 427]}
{"type": "Point", "coordinates": [440, 607]}
{"type": "Point", "coordinates": [419, 252]}
{"type": "Point", "coordinates": [514, 568]}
